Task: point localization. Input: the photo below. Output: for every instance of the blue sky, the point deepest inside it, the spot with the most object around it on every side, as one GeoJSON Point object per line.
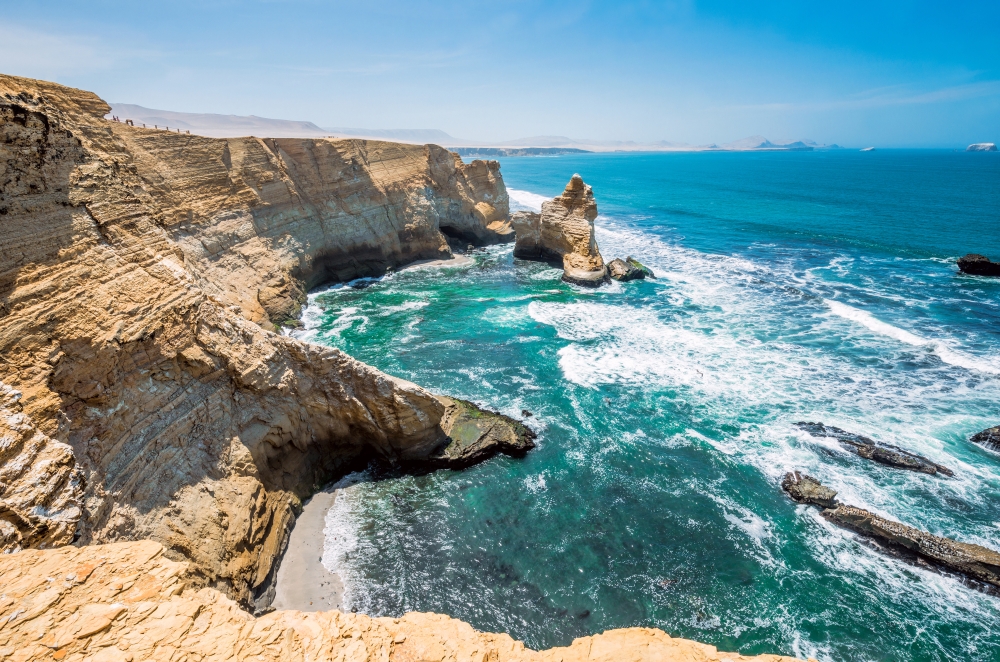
{"type": "Point", "coordinates": [854, 73]}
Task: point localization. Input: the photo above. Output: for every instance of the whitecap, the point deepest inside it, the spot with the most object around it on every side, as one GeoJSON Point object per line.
{"type": "Point", "coordinates": [939, 347]}
{"type": "Point", "coordinates": [526, 200]}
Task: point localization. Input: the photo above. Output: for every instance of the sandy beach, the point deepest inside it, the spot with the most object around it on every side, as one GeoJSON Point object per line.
{"type": "Point", "coordinates": [458, 261]}
{"type": "Point", "coordinates": [303, 582]}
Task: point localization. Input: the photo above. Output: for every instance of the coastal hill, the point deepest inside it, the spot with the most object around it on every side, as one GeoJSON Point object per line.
{"type": "Point", "coordinates": [159, 435]}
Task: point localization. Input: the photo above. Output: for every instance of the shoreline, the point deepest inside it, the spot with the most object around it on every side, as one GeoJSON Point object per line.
{"type": "Point", "coordinates": [459, 260]}
{"type": "Point", "coordinates": [303, 583]}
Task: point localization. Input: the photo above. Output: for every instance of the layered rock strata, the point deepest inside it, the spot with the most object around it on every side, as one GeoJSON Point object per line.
{"type": "Point", "coordinates": [143, 393]}
{"type": "Point", "coordinates": [869, 449]}
{"type": "Point", "coordinates": [978, 265]}
{"type": "Point", "coordinates": [564, 233]}
{"type": "Point", "coordinates": [127, 601]}
{"type": "Point", "coordinates": [977, 563]}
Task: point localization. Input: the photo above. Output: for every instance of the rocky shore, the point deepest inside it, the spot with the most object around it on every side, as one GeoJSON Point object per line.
{"type": "Point", "coordinates": [159, 437]}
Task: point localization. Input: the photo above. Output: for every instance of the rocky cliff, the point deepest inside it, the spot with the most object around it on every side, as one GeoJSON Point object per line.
{"type": "Point", "coordinates": [564, 233]}
{"type": "Point", "coordinates": [126, 601]}
{"type": "Point", "coordinates": [145, 397]}
{"type": "Point", "coordinates": [142, 392]}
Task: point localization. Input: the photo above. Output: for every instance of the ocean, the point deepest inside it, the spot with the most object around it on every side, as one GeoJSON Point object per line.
{"type": "Point", "coordinates": [805, 286]}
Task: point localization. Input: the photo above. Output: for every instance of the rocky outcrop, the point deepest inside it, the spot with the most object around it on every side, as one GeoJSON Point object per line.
{"type": "Point", "coordinates": [979, 564]}
{"type": "Point", "coordinates": [628, 269]}
{"type": "Point", "coordinates": [978, 265]}
{"type": "Point", "coordinates": [981, 147]}
{"type": "Point", "coordinates": [475, 434]}
{"type": "Point", "coordinates": [990, 438]}
{"type": "Point", "coordinates": [127, 601]}
{"type": "Point", "coordinates": [887, 454]}
{"type": "Point", "coordinates": [564, 233]}
{"type": "Point", "coordinates": [144, 394]}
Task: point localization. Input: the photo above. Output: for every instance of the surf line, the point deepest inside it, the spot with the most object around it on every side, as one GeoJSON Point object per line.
{"type": "Point", "coordinates": [944, 352]}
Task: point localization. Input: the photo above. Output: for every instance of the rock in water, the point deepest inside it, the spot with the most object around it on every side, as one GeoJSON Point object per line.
{"type": "Point", "coordinates": [647, 272]}
{"type": "Point", "coordinates": [981, 147]}
{"type": "Point", "coordinates": [621, 270]}
{"type": "Point", "coordinates": [474, 434]}
{"type": "Point", "coordinates": [978, 265]}
{"type": "Point", "coordinates": [806, 489]}
{"type": "Point", "coordinates": [868, 448]}
{"type": "Point", "coordinates": [978, 563]}
{"type": "Point", "coordinates": [990, 437]}
{"type": "Point", "coordinates": [564, 233]}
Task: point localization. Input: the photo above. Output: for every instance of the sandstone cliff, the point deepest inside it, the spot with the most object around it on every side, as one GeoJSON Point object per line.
{"type": "Point", "coordinates": [564, 232]}
{"type": "Point", "coordinates": [144, 396]}
{"type": "Point", "coordinates": [141, 391]}
{"type": "Point", "coordinates": [125, 601]}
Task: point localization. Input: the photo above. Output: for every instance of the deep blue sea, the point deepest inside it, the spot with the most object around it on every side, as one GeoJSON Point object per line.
{"type": "Point", "coordinates": [815, 286]}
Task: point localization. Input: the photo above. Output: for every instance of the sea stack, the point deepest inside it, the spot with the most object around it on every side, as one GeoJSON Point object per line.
{"type": "Point", "coordinates": [981, 147]}
{"type": "Point", "coordinates": [564, 232]}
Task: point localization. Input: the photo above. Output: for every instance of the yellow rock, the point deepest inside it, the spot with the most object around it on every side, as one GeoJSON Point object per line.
{"type": "Point", "coordinates": [155, 623]}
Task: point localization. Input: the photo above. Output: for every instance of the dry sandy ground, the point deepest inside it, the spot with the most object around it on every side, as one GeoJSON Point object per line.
{"type": "Point", "coordinates": [303, 582]}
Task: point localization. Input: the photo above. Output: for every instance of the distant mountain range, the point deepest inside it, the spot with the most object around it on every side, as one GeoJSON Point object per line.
{"type": "Point", "coordinates": [230, 126]}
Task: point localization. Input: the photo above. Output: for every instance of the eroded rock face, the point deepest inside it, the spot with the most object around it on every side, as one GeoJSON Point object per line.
{"type": "Point", "coordinates": [978, 265]}
{"type": "Point", "coordinates": [127, 601]}
{"type": "Point", "coordinates": [141, 274]}
{"type": "Point", "coordinates": [978, 563]}
{"type": "Point", "coordinates": [564, 232]}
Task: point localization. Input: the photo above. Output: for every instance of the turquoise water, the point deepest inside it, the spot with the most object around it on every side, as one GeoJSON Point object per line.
{"type": "Point", "coordinates": [796, 286]}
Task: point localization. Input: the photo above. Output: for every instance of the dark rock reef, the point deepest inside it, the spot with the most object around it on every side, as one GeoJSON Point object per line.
{"type": "Point", "coordinates": [978, 265]}
{"type": "Point", "coordinates": [979, 564]}
{"type": "Point", "coordinates": [990, 438]}
{"type": "Point", "coordinates": [887, 454]}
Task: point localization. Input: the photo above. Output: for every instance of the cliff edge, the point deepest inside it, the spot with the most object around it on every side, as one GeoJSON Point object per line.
{"type": "Point", "coordinates": [126, 601]}
{"type": "Point", "coordinates": [141, 274]}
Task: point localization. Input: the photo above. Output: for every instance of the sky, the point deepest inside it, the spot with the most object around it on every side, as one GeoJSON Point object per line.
{"type": "Point", "coordinates": [891, 74]}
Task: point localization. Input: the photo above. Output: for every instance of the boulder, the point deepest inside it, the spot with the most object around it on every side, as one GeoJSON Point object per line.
{"type": "Point", "coordinates": [868, 448]}
{"type": "Point", "coordinates": [621, 270]}
{"type": "Point", "coordinates": [978, 265]}
{"type": "Point", "coordinates": [636, 264]}
{"type": "Point", "coordinates": [564, 233]}
{"type": "Point", "coordinates": [990, 437]}
{"type": "Point", "coordinates": [806, 489]}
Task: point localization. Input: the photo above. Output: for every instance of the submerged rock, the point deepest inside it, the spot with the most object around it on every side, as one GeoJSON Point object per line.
{"type": "Point", "coordinates": [564, 233]}
{"type": "Point", "coordinates": [978, 265]}
{"type": "Point", "coordinates": [868, 448]}
{"type": "Point", "coordinates": [978, 563]}
{"type": "Point", "coordinates": [475, 434]}
{"type": "Point", "coordinates": [619, 269]}
{"type": "Point", "coordinates": [990, 437]}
